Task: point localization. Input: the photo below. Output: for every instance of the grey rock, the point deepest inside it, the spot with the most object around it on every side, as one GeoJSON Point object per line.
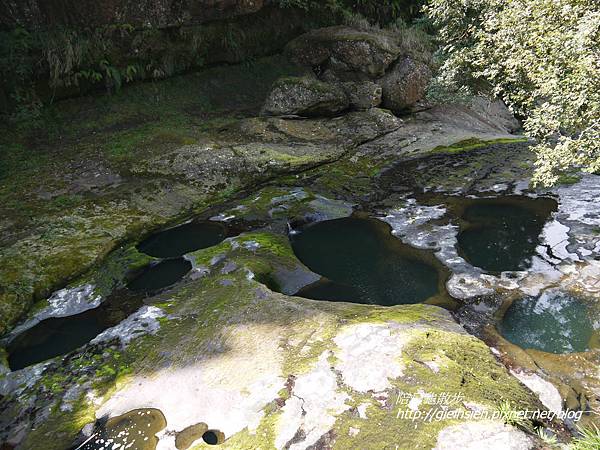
{"type": "Point", "coordinates": [405, 84]}
{"type": "Point", "coordinates": [305, 96]}
{"type": "Point", "coordinates": [346, 51]}
{"type": "Point", "coordinates": [362, 95]}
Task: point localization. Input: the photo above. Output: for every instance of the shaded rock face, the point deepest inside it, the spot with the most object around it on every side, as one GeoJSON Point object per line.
{"type": "Point", "coordinates": [363, 95]}
{"type": "Point", "coordinates": [35, 14]}
{"type": "Point", "coordinates": [405, 84]}
{"type": "Point", "coordinates": [305, 96]}
{"type": "Point", "coordinates": [350, 53]}
{"type": "Point", "coordinates": [368, 66]}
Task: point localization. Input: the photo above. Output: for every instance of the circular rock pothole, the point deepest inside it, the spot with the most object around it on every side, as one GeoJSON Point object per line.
{"type": "Point", "coordinates": [553, 322]}
{"type": "Point", "coordinates": [213, 437]}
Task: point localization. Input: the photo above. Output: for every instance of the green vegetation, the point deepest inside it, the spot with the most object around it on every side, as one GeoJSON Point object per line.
{"type": "Point", "coordinates": [541, 58]}
{"type": "Point", "coordinates": [37, 67]}
{"type": "Point", "coordinates": [471, 144]}
{"type": "Point", "coordinates": [589, 439]}
{"type": "Point", "coordinates": [548, 439]}
{"type": "Point", "coordinates": [510, 416]}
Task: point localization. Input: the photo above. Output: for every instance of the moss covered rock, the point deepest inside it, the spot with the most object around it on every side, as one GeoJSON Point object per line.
{"type": "Point", "coordinates": [347, 51]}
{"type": "Point", "coordinates": [268, 370]}
{"type": "Point", "coordinates": [305, 96]}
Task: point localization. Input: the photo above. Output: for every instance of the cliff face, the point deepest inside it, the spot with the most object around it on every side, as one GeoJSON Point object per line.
{"type": "Point", "coordinates": [52, 49]}
{"type": "Point", "coordinates": [40, 14]}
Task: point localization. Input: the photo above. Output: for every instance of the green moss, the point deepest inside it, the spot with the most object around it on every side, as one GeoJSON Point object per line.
{"type": "Point", "coordinates": [471, 144]}
{"type": "Point", "coordinates": [468, 367]}
{"type": "Point", "coordinates": [113, 270]}
{"type": "Point", "coordinates": [568, 179]}
{"type": "Point", "coordinates": [58, 431]}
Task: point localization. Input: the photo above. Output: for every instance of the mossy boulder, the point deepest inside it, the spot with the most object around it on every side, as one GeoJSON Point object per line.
{"type": "Point", "coordinates": [363, 94]}
{"type": "Point", "coordinates": [305, 96]}
{"type": "Point", "coordinates": [350, 53]}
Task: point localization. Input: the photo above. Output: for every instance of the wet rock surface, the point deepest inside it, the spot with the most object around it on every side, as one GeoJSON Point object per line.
{"type": "Point", "coordinates": [224, 352]}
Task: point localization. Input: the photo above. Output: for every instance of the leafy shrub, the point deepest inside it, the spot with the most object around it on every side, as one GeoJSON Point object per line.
{"type": "Point", "coordinates": [541, 58]}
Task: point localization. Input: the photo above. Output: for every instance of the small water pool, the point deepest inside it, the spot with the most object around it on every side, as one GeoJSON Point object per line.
{"type": "Point", "coordinates": [501, 234]}
{"type": "Point", "coordinates": [554, 322]}
{"type": "Point", "coordinates": [183, 239]}
{"type": "Point", "coordinates": [161, 275]}
{"type": "Point", "coordinates": [362, 262]}
{"type": "Point", "coordinates": [59, 336]}
{"type": "Point", "coordinates": [133, 430]}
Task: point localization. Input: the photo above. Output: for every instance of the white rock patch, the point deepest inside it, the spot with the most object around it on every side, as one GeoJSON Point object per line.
{"type": "Point", "coordinates": [546, 391]}
{"type": "Point", "coordinates": [378, 344]}
{"type": "Point", "coordinates": [62, 303]}
{"type": "Point", "coordinates": [144, 321]}
{"type": "Point", "coordinates": [487, 434]}
{"type": "Point", "coordinates": [227, 391]}
{"type": "Point", "coordinates": [313, 407]}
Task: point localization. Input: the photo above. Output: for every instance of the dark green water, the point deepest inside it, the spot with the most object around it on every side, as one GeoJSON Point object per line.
{"type": "Point", "coordinates": [363, 263]}
{"type": "Point", "coordinates": [554, 322]}
{"type": "Point", "coordinates": [58, 336]}
{"type": "Point", "coordinates": [160, 275]}
{"type": "Point", "coordinates": [53, 337]}
{"type": "Point", "coordinates": [183, 239]}
{"type": "Point", "coordinates": [502, 234]}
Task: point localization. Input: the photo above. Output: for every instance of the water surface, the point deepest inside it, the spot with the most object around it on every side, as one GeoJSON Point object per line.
{"type": "Point", "coordinates": [183, 239]}
{"type": "Point", "coordinates": [555, 322]}
{"type": "Point", "coordinates": [134, 430]}
{"type": "Point", "coordinates": [59, 336]}
{"type": "Point", "coordinates": [501, 234]}
{"type": "Point", "coordinates": [362, 262]}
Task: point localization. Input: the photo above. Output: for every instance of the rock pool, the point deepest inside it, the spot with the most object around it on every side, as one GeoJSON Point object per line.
{"type": "Point", "coordinates": [554, 322]}
{"type": "Point", "coordinates": [362, 262]}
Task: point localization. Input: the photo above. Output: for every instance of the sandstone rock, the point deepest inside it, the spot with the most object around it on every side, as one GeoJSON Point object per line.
{"type": "Point", "coordinates": [305, 96]}
{"type": "Point", "coordinates": [362, 95]}
{"type": "Point", "coordinates": [404, 84]}
{"type": "Point", "coordinates": [346, 51]}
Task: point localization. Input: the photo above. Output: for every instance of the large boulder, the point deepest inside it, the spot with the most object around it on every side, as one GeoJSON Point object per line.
{"type": "Point", "coordinates": [348, 52]}
{"type": "Point", "coordinates": [404, 84]}
{"type": "Point", "coordinates": [305, 96]}
{"type": "Point", "coordinates": [362, 95]}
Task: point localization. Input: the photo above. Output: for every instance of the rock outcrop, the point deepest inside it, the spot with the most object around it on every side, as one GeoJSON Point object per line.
{"type": "Point", "coordinates": [349, 53]}
{"type": "Point", "coordinates": [36, 14]}
{"type": "Point", "coordinates": [305, 96]}
{"type": "Point", "coordinates": [369, 66]}
{"type": "Point", "coordinates": [405, 84]}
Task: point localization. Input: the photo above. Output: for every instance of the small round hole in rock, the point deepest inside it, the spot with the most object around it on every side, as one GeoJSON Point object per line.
{"type": "Point", "coordinates": [213, 437]}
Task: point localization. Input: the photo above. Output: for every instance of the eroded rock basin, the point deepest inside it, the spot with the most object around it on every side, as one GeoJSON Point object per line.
{"type": "Point", "coordinates": [182, 239]}
{"type": "Point", "coordinates": [554, 322]}
{"type": "Point", "coordinates": [60, 335]}
{"type": "Point", "coordinates": [133, 430]}
{"type": "Point", "coordinates": [362, 262]}
{"type": "Point", "coordinates": [501, 234]}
